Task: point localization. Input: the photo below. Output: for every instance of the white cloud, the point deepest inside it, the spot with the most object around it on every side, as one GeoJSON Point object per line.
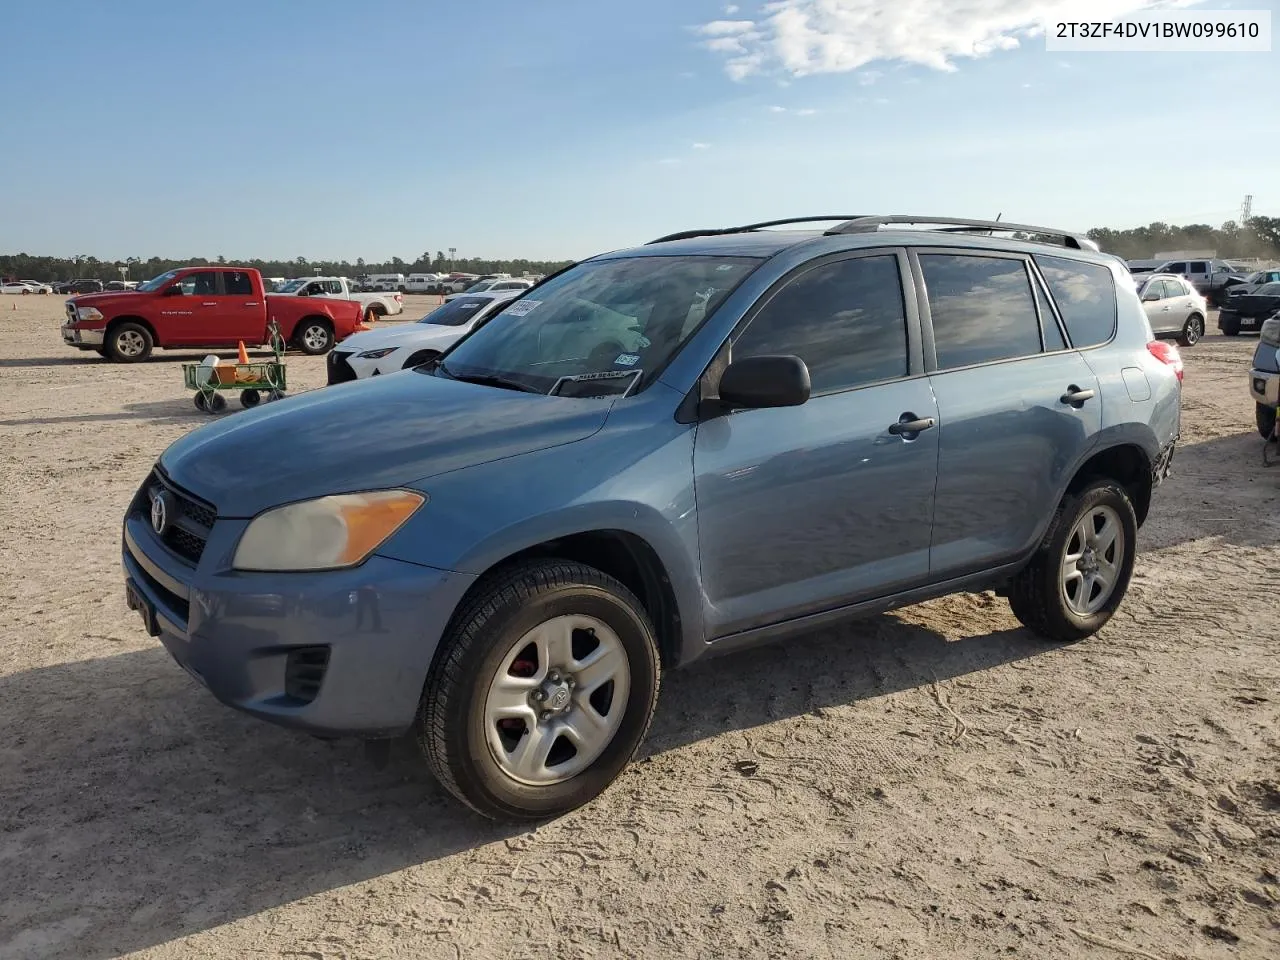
{"type": "Point", "coordinates": [804, 37]}
{"type": "Point", "coordinates": [669, 161]}
{"type": "Point", "coordinates": [1026, 86]}
{"type": "Point", "coordinates": [702, 146]}
{"type": "Point", "coordinates": [868, 77]}
{"type": "Point", "coordinates": [806, 112]}
{"type": "Point", "coordinates": [777, 109]}
{"type": "Point", "coordinates": [730, 9]}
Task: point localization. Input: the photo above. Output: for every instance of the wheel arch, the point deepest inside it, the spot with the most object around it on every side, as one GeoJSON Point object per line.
{"type": "Point", "coordinates": [1128, 464]}
{"type": "Point", "coordinates": [114, 322]}
{"type": "Point", "coordinates": [624, 555]}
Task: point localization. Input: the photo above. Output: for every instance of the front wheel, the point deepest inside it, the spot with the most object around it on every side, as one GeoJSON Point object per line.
{"type": "Point", "coordinates": [1266, 419]}
{"type": "Point", "coordinates": [314, 337]}
{"type": "Point", "coordinates": [1078, 576]}
{"type": "Point", "coordinates": [542, 691]}
{"type": "Point", "coordinates": [1192, 331]}
{"type": "Point", "coordinates": [129, 342]}
{"type": "Point", "coordinates": [371, 315]}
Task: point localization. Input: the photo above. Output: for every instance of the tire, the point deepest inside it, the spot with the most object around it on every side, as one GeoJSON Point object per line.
{"type": "Point", "coordinates": [419, 358]}
{"type": "Point", "coordinates": [201, 402]}
{"type": "Point", "coordinates": [1192, 331]}
{"type": "Point", "coordinates": [217, 403]}
{"type": "Point", "coordinates": [462, 737]}
{"type": "Point", "coordinates": [1230, 327]}
{"type": "Point", "coordinates": [1040, 595]}
{"type": "Point", "coordinates": [129, 342]}
{"type": "Point", "coordinates": [371, 315]}
{"type": "Point", "coordinates": [1266, 419]}
{"type": "Point", "coordinates": [250, 398]}
{"type": "Point", "coordinates": [314, 337]}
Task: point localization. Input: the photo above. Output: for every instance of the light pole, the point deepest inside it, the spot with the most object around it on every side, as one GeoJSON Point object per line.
{"type": "Point", "coordinates": [452, 251]}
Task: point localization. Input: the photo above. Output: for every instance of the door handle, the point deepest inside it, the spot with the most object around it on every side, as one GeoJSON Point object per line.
{"type": "Point", "coordinates": [1076, 397]}
{"type": "Point", "coordinates": [253, 304]}
{"type": "Point", "coordinates": [909, 423]}
{"type": "Point", "coordinates": [209, 303]}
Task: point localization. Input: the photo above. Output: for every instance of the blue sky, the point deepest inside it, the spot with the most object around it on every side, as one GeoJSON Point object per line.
{"type": "Point", "coordinates": [561, 128]}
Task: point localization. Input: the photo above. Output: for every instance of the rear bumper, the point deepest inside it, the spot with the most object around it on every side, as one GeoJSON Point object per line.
{"type": "Point", "coordinates": [244, 636]}
{"type": "Point", "coordinates": [1246, 323]}
{"type": "Point", "coordinates": [1264, 387]}
{"type": "Point", "coordinates": [1163, 464]}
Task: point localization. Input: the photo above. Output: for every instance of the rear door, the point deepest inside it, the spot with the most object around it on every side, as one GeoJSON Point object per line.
{"type": "Point", "coordinates": [244, 310]}
{"type": "Point", "coordinates": [1017, 407]}
{"type": "Point", "coordinates": [808, 508]}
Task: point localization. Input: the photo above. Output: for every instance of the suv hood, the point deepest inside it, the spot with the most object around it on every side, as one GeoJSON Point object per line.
{"type": "Point", "coordinates": [367, 435]}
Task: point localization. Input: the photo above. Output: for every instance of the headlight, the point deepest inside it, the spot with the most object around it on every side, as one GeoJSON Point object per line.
{"type": "Point", "coordinates": [376, 354]}
{"type": "Point", "coordinates": [88, 313]}
{"type": "Point", "coordinates": [324, 534]}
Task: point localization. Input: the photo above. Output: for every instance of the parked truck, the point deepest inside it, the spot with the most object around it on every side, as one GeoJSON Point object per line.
{"type": "Point", "coordinates": [203, 307]}
{"type": "Point", "coordinates": [372, 305]}
{"type": "Point", "coordinates": [1211, 278]}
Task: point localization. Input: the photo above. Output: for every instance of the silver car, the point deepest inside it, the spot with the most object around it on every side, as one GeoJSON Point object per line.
{"type": "Point", "coordinates": [1173, 306]}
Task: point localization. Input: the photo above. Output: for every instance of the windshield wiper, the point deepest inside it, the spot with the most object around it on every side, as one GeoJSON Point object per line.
{"type": "Point", "coordinates": [488, 380]}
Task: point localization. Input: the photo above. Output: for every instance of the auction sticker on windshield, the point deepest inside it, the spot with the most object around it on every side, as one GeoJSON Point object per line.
{"type": "Point", "coordinates": [522, 307]}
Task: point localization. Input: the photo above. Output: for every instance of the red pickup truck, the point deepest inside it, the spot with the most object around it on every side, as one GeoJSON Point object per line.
{"type": "Point", "coordinates": [203, 307]}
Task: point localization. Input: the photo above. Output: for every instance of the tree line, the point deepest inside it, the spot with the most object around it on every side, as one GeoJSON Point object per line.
{"type": "Point", "coordinates": [1258, 237]}
{"type": "Point", "coordinates": [51, 269]}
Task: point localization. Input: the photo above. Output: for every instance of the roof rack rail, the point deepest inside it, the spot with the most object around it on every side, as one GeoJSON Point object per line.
{"type": "Point", "coordinates": [750, 227]}
{"type": "Point", "coordinates": [1066, 238]}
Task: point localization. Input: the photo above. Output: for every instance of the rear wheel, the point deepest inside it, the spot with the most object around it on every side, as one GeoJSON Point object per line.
{"type": "Point", "coordinates": [544, 687]}
{"type": "Point", "coordinates": [1192, 331]}
{"type": "Point", "coordinates": [1266, 418]}
{"type": "Point", "coordinates": [314, 337]}
{"type": "Point", "coordinates": [217, 403]}
{"type": "Point", "coordinates": [1230, 326]}
{"type": "Point", "coordinates": [1080, 573]}
{"type": "Point", "coordinates": [201, 401]}
{"type": "Point", "coordinates": [129, 342]}
{"type": "Point", "coordinates": [250, 398]}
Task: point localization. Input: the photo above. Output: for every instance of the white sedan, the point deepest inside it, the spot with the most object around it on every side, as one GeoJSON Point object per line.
{"type": "Point", "coordinates": [500, 285]}
{"type": "Point", "coordinates": [17, 286]}
{"type": "Point", "coordinates": [398, 347]}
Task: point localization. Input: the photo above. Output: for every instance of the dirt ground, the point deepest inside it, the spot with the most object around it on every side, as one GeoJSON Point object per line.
{"type": "Point", "coordinates": [929, 784]}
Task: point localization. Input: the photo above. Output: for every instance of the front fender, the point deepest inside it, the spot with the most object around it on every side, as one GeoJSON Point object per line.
{"type": "Point", "coordinates": [635, 476]}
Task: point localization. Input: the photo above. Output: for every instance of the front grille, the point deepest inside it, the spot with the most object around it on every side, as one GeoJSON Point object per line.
{"type": "Point", "coordinates": [188, 530]}
{"type": "Point", "coordinates": [304, 672]}
{"type": "Point", "coordinates": [338, 368]}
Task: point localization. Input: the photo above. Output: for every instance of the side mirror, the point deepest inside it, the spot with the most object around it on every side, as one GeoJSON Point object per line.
{"type": "Point", "coordinates": [174, 291]}
{"type": "Point", "coordinates": [1149, 296]}
{"type": "Point", "coordinates": [756, 382]}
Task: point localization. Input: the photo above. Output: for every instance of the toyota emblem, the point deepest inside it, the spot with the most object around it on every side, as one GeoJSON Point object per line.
{"type": "Point", "coordinates": [159, 513]}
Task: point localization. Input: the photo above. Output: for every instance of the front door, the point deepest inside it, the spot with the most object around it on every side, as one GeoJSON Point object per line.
{"type": "Point", "coordinates": [804, 509]}
{"type": "Point", "coordinates": [1018, 407]}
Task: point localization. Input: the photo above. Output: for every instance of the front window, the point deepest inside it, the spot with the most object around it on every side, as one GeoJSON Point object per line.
{"type": "Point", "coordinates": [603, 325]}
{"type": "Point", "coordinates": [155, 283]}
{"type": "Point", "coordinates": [290, 286]}
{"type": "Point", "coordinates": [455, 313]}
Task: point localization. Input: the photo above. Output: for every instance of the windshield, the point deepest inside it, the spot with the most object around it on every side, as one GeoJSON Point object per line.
{"type": "Point", "coordinates": [456, 312]}
{"type": "Point", "coordinates": [291, 285]}
{"type": "Point", "coordinates": [155, 283]}
{"type": "Point", "coordinates": [611, 317]}
{"type": "Point", "coordinates": [1269, 290]}
{"type": "Point", "coordinates": [481, 286]}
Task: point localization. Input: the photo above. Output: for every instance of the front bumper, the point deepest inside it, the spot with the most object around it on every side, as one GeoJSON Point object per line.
{"type": "Point", "coordinates": [366, 635]}
{"type": "Point", "coordinates": [80, 337]}
{"type": "Point", "coordinates": [1264, 387]}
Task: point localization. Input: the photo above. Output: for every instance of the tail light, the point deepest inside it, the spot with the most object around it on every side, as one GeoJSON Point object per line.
{"type": "Point", "coordinates": [1168, 354]}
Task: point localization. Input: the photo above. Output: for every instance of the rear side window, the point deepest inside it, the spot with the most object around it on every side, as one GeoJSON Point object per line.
{"type": "Point", "coordinates": [238, 284]}
{"type": "Point", "coordinates": [982, 309]}
{"type": "Point", "coordinates": [1086, 298]}
{"type": "Point", "coordinates": [845, 320]}
{"type": "Point", "coordinates": [1199, 266]}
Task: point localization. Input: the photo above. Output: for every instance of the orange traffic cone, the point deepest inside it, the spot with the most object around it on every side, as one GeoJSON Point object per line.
{"type": "Point", "coordinates": [244, 354]}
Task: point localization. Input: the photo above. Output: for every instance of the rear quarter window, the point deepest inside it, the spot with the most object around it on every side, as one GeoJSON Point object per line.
{"type": "Point", "coordinates": [1086, 298]}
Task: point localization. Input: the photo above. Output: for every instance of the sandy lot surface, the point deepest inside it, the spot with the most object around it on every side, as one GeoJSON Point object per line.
{"type": "Point", "coordinates": [928, 784]}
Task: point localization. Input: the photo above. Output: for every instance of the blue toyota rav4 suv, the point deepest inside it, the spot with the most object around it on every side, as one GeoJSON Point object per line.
{"type": "Point", "coordinates": [657, 455]}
